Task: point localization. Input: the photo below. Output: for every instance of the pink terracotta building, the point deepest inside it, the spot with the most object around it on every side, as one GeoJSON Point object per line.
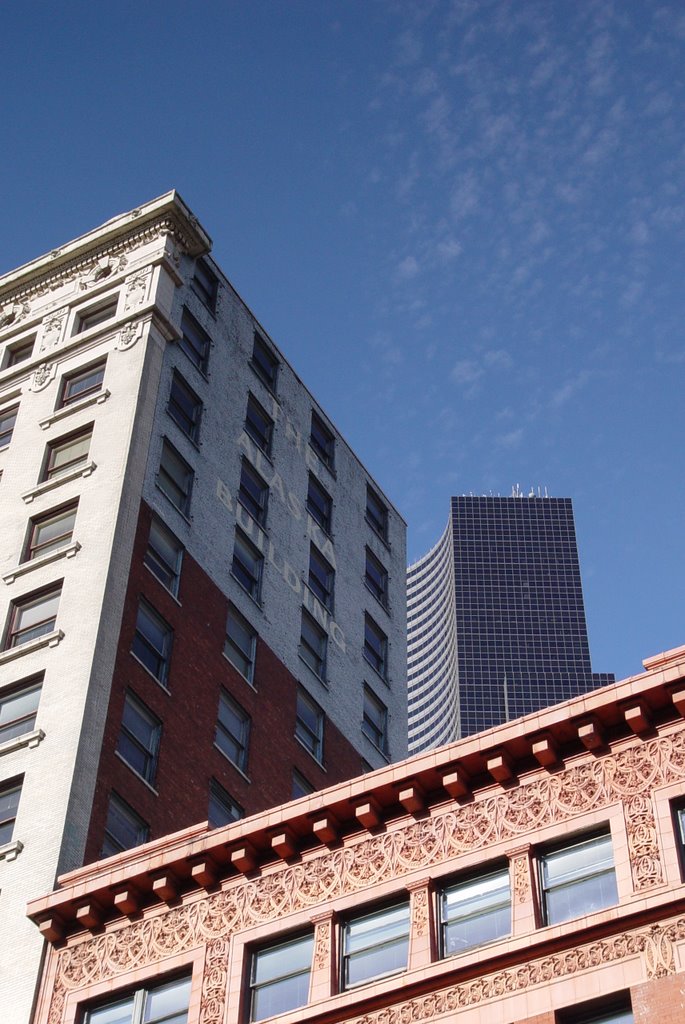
{"type": "Point", "coordinates": [532, 873]}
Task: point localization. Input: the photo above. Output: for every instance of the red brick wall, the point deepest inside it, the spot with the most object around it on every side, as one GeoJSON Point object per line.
{"type": "Point", "coordinates": [661, 1001]}
{"type": "Point", "coordinates": [188, 758]}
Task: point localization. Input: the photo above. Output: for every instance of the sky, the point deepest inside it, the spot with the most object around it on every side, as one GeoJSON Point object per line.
{"type": "Point", "coordinates": [462, 221]}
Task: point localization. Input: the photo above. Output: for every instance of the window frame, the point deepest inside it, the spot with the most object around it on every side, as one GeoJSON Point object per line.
{"type": "Point", "coordinates": [375, 728]}
{"type": "Point", "coordinates": [322, 440]}
{"type": "Point", "coordinates": [222, 798]}
{"type": "Point", "coordinates": [187, 422]}
{"type": "Point", "coordinates": [578, 878]}
{"type": "Point", "coordinates": [305, 938]}
{"type": "Point", "coordinates": [161, 654]}
{"type": "Point", "coordinates": [678, 816]}
{"type": "Point", "coordinates": [231, 643]}
{"type": "Point", "coordinates": [379, 588]}
{"type": "Point", "coordinates": [300, 786]}
{"type": "Point", "coordinates": [65, 399]}
{"type": "Point", "coordinates": [249, 576]}
{"type": "Point", "coordinates": [206, 291]}
{"type": "Point", "coordinates": [132, 817]}
{"type": "Point", "coordinates": [9, 413]}
{"type": "Point", "coordinates": [169, 574]}
{"type": "Point", "coordinates": [254, 500]}
{"type": "Point", "coordinates": [466, 883]}
{"type": "Point", "coordinates": [377, 514]}
{"type": "Point", "coordinates": [53, 470]}
{"type": "Point", "coordinates": [239, 740]}
{"type": "Point", "coordinates": [195, 342]}
{"type": "Point", "coordinates": [375, 654]}
{"type": "Point", "coordinates": [12, 728]}
{"type": "Point", "coordinates": [323, 586]}
{"type": "Point", "coordinates": [149, 748]}
{"type": "Point", "coordinates": [310, 734]}
{"type": "Point", "coordinates": [19, 352]}
{"type": "Point", "coordinates": [319, 504]}
{"type": "Point", "coordinates": [35, 599]}
{"type": "Point", "coordinates": [395, 941]}
{"type": "Point", "coordinates": [262, 438]}
{"type": "Point", "coordinates": [33, 550]}
{"type": "Point", "coordinates": [137, 999]}
{"type": "Point", "coordinates": [606, 1010]}
{"type": "Point", "coordinates": [8, 788]}
{"type": "Point", "coordinates": [96, 314]}
{"type": "Point", "coordinates": [175, 488]}
{"type": "Point", "coordinates": [265, 362]}
{"type": "Point", "coordinates": [313, 647]}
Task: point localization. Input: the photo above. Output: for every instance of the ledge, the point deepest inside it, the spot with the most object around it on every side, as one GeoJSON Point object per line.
{"type": "Point", "coordinates": [61, 414]}
{"type": "Point", "coordinates": [49, 485]}
{"type": "Point", "coordinates": [47, 640]}
{"type": "Point", "coordinates": [10, 851]}
{"type": "Point", "coordinates": [35, 563]}
{"type": "Point", "coordinates": [28, 739]}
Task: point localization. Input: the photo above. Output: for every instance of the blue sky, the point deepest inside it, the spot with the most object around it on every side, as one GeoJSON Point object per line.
{"type": "Point", "coordinates": [463, 223]}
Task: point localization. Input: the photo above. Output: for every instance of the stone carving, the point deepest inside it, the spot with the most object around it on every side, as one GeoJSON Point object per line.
{"type": "Point", "coordinates": [14, 313]}
{"type": "Point", "coordinates": [42, 375]}
{"type": "Point", "coordinates": [419, 911]}
{"type": "Point", "coordinates": [52, 329]}
{"type": "Point", "coordinates": [129, 334]}
{"type": "Point", "coordinates": [659, 950]}
{"type": "Point", "coordinates": [136, 289]}
{"type": "Point", "coordinates": [100, 271]}
{"type": "Point", "coordinates": [521, 879]}
{"type": "Point", "coordinates": [322, 945]}
{"type": "Point", "coordinates": [546, 800]}
{"type": "Point", "coordinates": [214, 981]}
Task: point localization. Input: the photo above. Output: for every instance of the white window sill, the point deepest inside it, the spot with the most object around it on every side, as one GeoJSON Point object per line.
{"type": "Point", "coordinates": [61, 414]}
{"type": "Point", "coordinates": [29, 739]}
{"type": "Point", "coordinates": [47, 640]}
{"type": "Point", "coordinates": [49, 485]}
{"type": "Point", "coordinates": [35, 563]}
{"type": "Point", "coordinates": [10, 851]}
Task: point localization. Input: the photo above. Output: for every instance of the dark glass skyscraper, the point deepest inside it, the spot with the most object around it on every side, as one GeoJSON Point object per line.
{"type": "Point", "coordinates": [496, 621]}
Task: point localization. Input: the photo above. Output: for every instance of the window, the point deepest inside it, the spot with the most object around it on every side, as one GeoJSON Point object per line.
{"type": "Point", "coordinates": [253, 493]}
{"type": "Point", "coordinates": [313, 645]}
{"type": "Point", "coordinates": [205, 284]}
{"type": "Point", "coordinates": [248, 562]}
{"type": "Point", "coordinates": [679, 824]}
{"type": "Point", "coordinates": [222, 809]}
{"type": "Point", "coordinates": [233, 731]}
{"type": "Point", "coordinates": [259, 425]}
{"type": "Point", "coordinates": [321, 577]}
{"type": "Point", "coordinates": [264, 362]}
{"type": "Point", "coordinates": [300, 786]}
{"type": "Point", "coordinates": [475, 911]}
{"type": "Point", "coordinates": [241, 643]}
{"type": "Point", "coordinates": [185, 408]}
{"type": "Point", "coordinates": [9, 805]}
{"type": "Point", "coordinates": [375, 646]}
{"type": "Point", "coordinates": [376, 578]}
{"type": "Point", "coordinates": [8, 418]}
{"type": "Point", "coordinates": [615, 1010]}
{"type": "Point", "coordinates": [279, 978]}
{"type": "Point", "coordinates": [377, 514]}
{"type": "Point", "coordinates": [175, 478]}
{"type": "Point", "coordinates": [164, 555]}
{"type": "Point", "coordinates": [309, 723]}
{"type": "Point", "coordinates": [96, 315]}
{"type": "Point", "coordinates": [194, 341]}
{"type": "Point", "coordinates": [375, 720]}
{"type": "Point", "coordinates": [375, 944]}
{"type": "Point", "coordinates": [67, 453]}
{"type": "Point", "coordinates": [18, 710]}
{"type": "Point", "coordinates": [319, 504]}
{"type": "Point", "coordinates": [154, 1004]}
{"type": "Point", "coordinates": [152, 642]}
{"type": "Point", "coordinates": [124, 829]}
{"type": "Point", "coordinates": [578, 878]}
{"type": "Point", "coordinates": [33, 616]}
{"type": "Point", "coordinates": [322, 440]}
{"type": "Point", "coordinates": [20, 352]}
{"type": "Point", "coordinates": [82, 383]}
{"type": "Point", "coordinates": [50, 532]}
{"type": "Point", "coordinates": [139, 738]}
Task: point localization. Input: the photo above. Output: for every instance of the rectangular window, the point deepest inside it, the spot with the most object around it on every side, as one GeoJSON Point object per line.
{"type": "Point", "coordinates": [376, 578]}
{"type": "Point", "coordinates": [222, 809]}
{"type": "Point", "coordinates": [152, 642]}
{"type": "Point", "coordinates": [475, 911]}
{"type": "Point", "coordinates": [185, 408]}
{"type": "Point", "coordinates": [322, 440]}
{"type": "Point", "coordinates": [124, 829]}
{"type": "Point", "coordinates": [194, 341]}
{"type": "Point", "coordinates": [205, 284]}
{"type": "Point", "coordinates": [377, 514]}
{"type": "Point", "coordinates": [578, 878]}
{"type": "Point", "coordinates": [82, 383]}
{"type": "Point", "coordinates": [375, 646]}
{"type": "Point", "coordinates": [50, 532]}
{"type": "Point", "coordinates": [20, 352]}
{"type": "Point", "coordinates": [18, 709]}
{"type": "Point", "coordinates": [300, 786]}
{"type": "Point", "coordinates": [614, 1010]}
{"type": "Point", "coordinates": [248, 562]}
{"type": "Point", "coordinates": [8, 418]}
{"type": "Point", "coordinates": [309, 725]}
{"type": "Point", "coordinates": [241, 643]}
{"type": "Point", "coordinates": [375, 720]}
{"type": "Point", "coordinates": [253, 493]}
{"type": "Point", "coordinates": [139, 738]}
{"type": "Point", "coordinates": [33, 616]}
{"type": "Point", "coordinates": [233, 731]}
{"type": "Point", "coordinates": [96, 315]}
{"type": "Point", "coordinates": [679, 825]}
{"type": "Point", "coordinates": [175, 478]}
{"type": "Point", "coordinates": [164, 555]}
{"type": "Point", "coordinates": [67, 453]}
{"type": "Point", "coordinates": [10, 793]}
{"type": "Point", "coordinates": [279, 977]}
{"type": "Point", "coordinates": [165, 1003]}
{"type": "Point", "coordinates": [313, 645]}
{"type": "Point", "coordinates": [321, 577]}
{"type": "Point", "coordinates": [375, 945]}
{"type": "Point", "coordinates": [264, 362]}
{"type": "Point", "coordinates": [259, 425]}
{"type": "Point", "coordinates": [319, 504]}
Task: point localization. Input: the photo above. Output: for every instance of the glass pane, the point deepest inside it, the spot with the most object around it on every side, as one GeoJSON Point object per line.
{"type": "Point", "coordinates": [372, 963]}
{"type": "Point", "coordinates": [120, 1012]}
{"type": "Point", "coordinates": [584, 896]}
{"type": "Point", "coordinates": [67, 454]}
{"type": "Point", "coordinates": [18, 713]}
{"type": "Point", "coordinates": [166, 1000]}
{"type": "Point", "coordinates": [54, 532]}
{"type": "Point", "coordinates": [561, 866]}
{"type": "Point", "coordinates": [284, 959]}
{"type": "Point", "coordinates": [280, 996]}
{"type": "Point", "coordinates": [377, 928]}
{"type": "Point", "coordinates": [475, 931]}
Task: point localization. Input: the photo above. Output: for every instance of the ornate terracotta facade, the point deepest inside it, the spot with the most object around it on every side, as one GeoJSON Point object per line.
{"type": "Point", "coordinates": [611, 760]}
